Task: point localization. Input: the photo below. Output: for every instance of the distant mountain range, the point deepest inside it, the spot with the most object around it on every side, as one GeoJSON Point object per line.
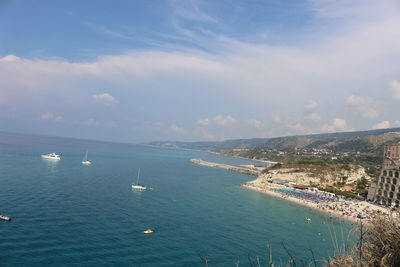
{"type": "Point", "coordinates": [343, 141]}
{"type": "Point", "coordinates": [363, 148]}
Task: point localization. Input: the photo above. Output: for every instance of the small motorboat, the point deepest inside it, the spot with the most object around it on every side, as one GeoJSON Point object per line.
{"type": "Point", "coordinates": [4, 217]}
{"type": "Point", "coordinates": [148, 231]}
{"type": "Point", "coordinates": [308, 219]}
{"type": "Point", "coordinates": [51, 156]}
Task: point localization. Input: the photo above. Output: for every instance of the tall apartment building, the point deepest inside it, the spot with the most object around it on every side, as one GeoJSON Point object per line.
{"type": "Point", "coordinates": [386, 190]}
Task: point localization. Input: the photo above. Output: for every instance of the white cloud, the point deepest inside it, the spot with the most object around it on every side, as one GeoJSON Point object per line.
{"type": "Point", "coordinates": [297, 127]}
{"type": "Point", "coordinates": [310, 110]}
{"type": "Point", "coordinates": [105, 98]}
{"type": "Point", "coordinates": [176, 129]}
{"type": "Point", "coordinates": [338, 125]}
{"type": "Point", "coordinates": [205, 121]}
{"type": "Point", "coordinates": [206, 134]}
{"type": "Point", "coordinates": [10, 58]}
{"type": "Point", "coordinates": [224, 120]}
{"type": "Point", "coordinates": [93, 122]}
{"type": "Point", "coordinates": [311, 106]}
{"type": "Point", "coordinates": [382, 125]}
{"type": "Point", "coordinates": [256, 124]}
{"type": "Point", "coordinates": [313, 117]}
{"type": "Point", "coordinates": [221, 120]}
{"type": "Point", "coordinates": [51, 117]}
{"type": "Point", "coordinates": [256, 77]}
{"type": "Point", "coordinates": [191, 10]}
{"type": "Point", "coordinates": [365, 107]}
{"type": "Point", "coordinates": [395, 86]}
{"type": "Point", "coordinates": [290, 124]}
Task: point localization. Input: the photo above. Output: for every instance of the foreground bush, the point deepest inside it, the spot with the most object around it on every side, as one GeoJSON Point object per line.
{"type": "Point", "coordinates": [378, 245]}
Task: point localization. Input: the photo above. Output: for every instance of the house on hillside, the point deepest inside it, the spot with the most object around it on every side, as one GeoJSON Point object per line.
{"type": "Point", "coordinates": [347, 188]}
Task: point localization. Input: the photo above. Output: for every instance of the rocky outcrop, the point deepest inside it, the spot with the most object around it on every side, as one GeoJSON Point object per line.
{"type": "Point", "coordinates": [307, 174]}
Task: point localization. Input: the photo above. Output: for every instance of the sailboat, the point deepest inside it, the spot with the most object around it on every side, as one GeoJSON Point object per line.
{"type": "Point", "coordinates": [85, 160]}
{"type": "Point", "coordinates": [138, 187]}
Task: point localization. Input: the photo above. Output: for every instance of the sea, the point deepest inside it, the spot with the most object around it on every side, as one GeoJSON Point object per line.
{"type": "Point", "coordinates": [68, 214]}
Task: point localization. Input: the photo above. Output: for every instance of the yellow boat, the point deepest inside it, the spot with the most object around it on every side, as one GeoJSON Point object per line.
{"type": "Point", "coordinates": [148, 231]}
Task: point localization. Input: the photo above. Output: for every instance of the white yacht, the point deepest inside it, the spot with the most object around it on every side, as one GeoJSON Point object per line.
{"type": "Point", "coordinates": [85, 160]}
{"type": "Point", "coordinates": [138, 187]}
{"type": "Point", "coordinates": [52, 156]}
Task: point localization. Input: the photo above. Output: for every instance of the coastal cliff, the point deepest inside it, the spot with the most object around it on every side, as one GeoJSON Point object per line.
{"type": "Point", "coordinates": [308, 174]}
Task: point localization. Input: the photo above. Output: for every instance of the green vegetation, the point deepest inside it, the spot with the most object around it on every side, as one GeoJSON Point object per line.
{"type": "Point", "coordinates": [312, 162]}
{"type": "Point", "coordinates": [346, 167]}
{"type": "Point", "coordinates": [338, 192]}
{"type": "Point", "coordinates": [363, 150]}
{"type": "Point", "coordinates": [306, 141]}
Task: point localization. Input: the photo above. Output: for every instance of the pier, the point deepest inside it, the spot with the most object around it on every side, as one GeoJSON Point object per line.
{"type": "Point", "coordinates": [255, 171]}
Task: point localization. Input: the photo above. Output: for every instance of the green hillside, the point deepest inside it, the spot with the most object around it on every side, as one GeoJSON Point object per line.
{"type": "Point", "coordinates": [363, 147]}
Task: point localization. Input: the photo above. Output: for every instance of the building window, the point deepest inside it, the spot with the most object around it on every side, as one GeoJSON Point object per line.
{"type": "Point", "coordinates": [391, 194]}
{"type": "Point", "coordinates": [390, 173]}
{"type": "Point", "coordinates": [381, 185]}
{"type": "Point", "coordinates": [379, 192]}
{"type": "Point", "coordinates": [396, 174]}
{"type": "Point", "coordinates": [384, 173]}
{"type": "Point", "coordinates": [398, 195]}
{"type": "Point", "coordinates": [388, 180]}
{"type": "Point", "coordinates": [393, 188]}
{"type": "Point", "coordinates": [386, 186]}
{"type": "Point", "coordinates": [382, 179]}
{"type": "Point", "coordinates": [394, 181]}
{"type": "Point", "coordinates": [385, 193]}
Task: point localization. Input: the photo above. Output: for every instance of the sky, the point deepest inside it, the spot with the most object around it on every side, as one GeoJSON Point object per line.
{"type": "Point", "coordinates": [191, 70]}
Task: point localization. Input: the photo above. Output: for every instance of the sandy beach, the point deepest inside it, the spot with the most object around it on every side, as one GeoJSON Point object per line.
{"type": "Point", "coordinates": [343, 209]}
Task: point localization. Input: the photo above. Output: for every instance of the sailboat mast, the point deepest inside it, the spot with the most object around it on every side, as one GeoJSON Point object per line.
{"type": "Point", "coordinates": [137, 181]}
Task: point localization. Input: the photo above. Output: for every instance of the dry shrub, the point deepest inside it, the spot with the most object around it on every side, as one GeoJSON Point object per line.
{"type": "Point", "coordinates": [381, 246]}
{"type": "Point", "coordinates": [378, 245]}
{"type": "Point", "coordinates": [343, 260]}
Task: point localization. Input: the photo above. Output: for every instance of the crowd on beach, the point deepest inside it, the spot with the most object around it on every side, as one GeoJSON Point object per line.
{"type": "Point", "coordinates": [353, 209]}
{"type": "Point", "coordinates": [312, 197]}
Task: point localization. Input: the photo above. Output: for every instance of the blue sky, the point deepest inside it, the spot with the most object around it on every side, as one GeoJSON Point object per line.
{"type": "Point", "coordinates": [136, 71]}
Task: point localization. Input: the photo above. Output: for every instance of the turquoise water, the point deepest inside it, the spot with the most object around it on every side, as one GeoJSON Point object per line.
{"type": "Point", "coordinates": [65, 213]}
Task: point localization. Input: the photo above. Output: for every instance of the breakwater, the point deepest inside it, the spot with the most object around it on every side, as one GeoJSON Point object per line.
{"type": "Point", "coordinates": [241, 169]}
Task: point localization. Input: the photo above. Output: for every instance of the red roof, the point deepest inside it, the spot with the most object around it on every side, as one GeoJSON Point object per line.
{"type": "Point", "coordinates": [298, 186]}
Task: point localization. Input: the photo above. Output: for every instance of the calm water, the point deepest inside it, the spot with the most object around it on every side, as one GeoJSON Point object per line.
{"type": "Point", "coordinates": [65, 213]}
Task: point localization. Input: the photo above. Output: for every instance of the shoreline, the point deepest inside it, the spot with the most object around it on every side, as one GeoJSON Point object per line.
{"type": "Point", "coordinates": [212, 152]}
{"type": "Point", "coordinates": [299, 202]}
{"type": "Point", "coordinates": [350, 210]}
{"type": "Point", "coordinates": [240, 157]}
{"type": "Point", "coordinates": [312, 205]}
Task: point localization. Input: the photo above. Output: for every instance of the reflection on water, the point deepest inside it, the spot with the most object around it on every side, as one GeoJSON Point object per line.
{"type": "Point", "coordinates": [51, 166]}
